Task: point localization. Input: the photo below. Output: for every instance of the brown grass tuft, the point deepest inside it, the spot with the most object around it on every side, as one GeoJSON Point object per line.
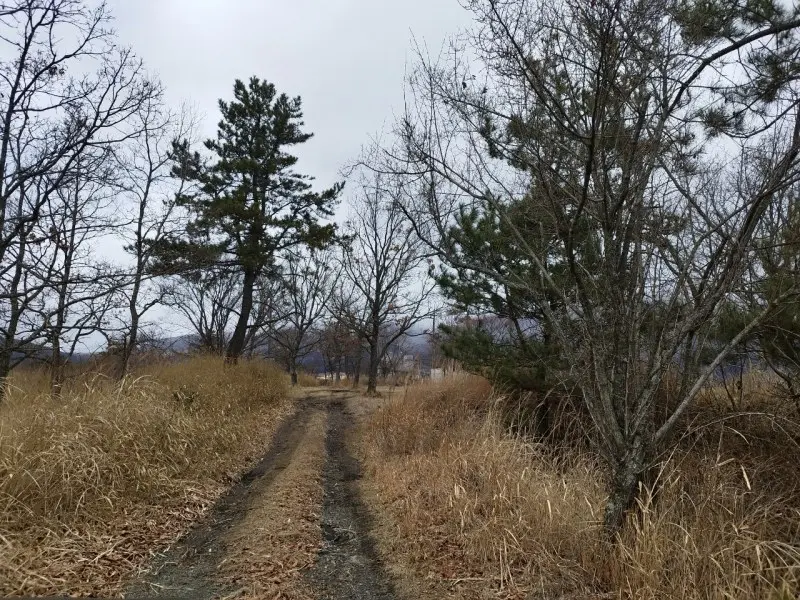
{"type": "Point", "coordinates": [306, 379]}
{"type": "Point", "coordinates": [477, 512]}
{"type": "Point", "coordinates": [92, 484]}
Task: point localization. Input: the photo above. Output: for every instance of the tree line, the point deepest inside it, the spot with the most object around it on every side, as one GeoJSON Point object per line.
{"type": "Point", "coordinates": [227, 233]}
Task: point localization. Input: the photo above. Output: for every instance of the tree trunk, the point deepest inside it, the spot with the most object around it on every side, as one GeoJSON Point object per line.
{"type": "Point", "coordinates": [5, 371]}
{"type": "Point", "coordinates": [57, 367]}
{"type": "Point", "coordinates": [130, 344]}
{"type": "Point", "coordinates": [372, 381]}
{"type": "Point", "coordinates": [15, 312]}
{"type": "Point", "coordinates": [133, 337]}
{"type": "Point", "coordinates": [624, 488]}
{"type": "Point", "coordinates": [236, 345]}
{"type": "Point", "coordinates": [69, 248]}
{"type": "Point", "coordinates": [357, 371]}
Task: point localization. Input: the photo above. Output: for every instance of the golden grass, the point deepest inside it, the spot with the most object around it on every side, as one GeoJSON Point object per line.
{"type": "Point", "coordinates": [475, 512]}
{"type": "Point", "coordinates": [306, 379]}
{"type": "Point", "coordinates": [93, 483]}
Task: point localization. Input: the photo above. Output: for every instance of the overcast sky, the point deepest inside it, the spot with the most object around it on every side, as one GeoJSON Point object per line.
{"type": "Point", "coordinates": [346, 58]}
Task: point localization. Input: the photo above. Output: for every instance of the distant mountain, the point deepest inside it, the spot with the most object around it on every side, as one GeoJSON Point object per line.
{"type": "Point", "coordinates": [416, 345]}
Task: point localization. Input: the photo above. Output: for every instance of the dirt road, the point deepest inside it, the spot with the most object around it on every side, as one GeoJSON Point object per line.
{"type": "Point", "coordinates": [292, 527]}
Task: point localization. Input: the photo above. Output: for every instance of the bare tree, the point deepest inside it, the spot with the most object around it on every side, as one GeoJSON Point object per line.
{"type": "Point", "coordinates": [393, 361]}
{"type": "Point", "coordinates": [145, 170]}
{"type": "Point", "coordinates": [336, 343]}
{"type": "Point", "coordinates": [386, 272]}
{"type": "Point", "coordinates": [67, 92]}
{"type": "Point", "coordinates": [594, 133]}
{"type": "Point", "coordinates": [270, 306]}
{"type": "Point", "coordinates": [308, 283]}
{"type": "Point", "coordinates": [208, 300]}
{"type": "Point", "coordinates": [82, 288]}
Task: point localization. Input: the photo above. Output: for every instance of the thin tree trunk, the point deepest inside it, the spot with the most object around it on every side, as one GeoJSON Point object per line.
{"type": "Point", "coordinates": [357, 371]}
{"type": "Point", "coordinates": [130, 345]}
{"type": "Point", "coordinates": [67, 245]}
{"type": "Point", "coordinates": [57, 366]}
{"type": "Point", "coordinates": [133, 336]}
{"type": "Point", "coordinates": [5, 371]}
{"type": "Point", "coordinates": [236, 345]}
{"type": "Point", "coordinates": [13, 322]}
{"type": "Point", "coordinates": [372, 381]}
{"type": "Point", "coordinates": [374, 340]}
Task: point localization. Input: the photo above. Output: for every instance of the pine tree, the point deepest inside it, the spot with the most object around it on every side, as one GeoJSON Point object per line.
{"type": "Point", "coordinates": [248, 204]}
{"type": "Point", "coordinates": [606, 115]}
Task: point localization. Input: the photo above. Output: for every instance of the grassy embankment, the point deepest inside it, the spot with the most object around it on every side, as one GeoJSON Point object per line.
{"type": "Point", "coordinates": [91, 484]}
{"type": "Point", "coordinates": [469, 510]}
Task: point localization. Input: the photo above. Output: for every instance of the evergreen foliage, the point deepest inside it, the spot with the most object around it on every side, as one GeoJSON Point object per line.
{"type": "Point", "coordinates": [248, 203]}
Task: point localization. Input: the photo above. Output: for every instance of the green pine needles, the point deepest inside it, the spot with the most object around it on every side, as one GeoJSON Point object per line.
{"type": "Point", "coordinates": [247, 203]}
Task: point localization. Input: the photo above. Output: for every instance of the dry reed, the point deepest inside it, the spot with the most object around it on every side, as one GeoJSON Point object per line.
{"type": "Point", "coordinates": [93, 483]}
{"type": "Point", "coordinates": [483, 512]}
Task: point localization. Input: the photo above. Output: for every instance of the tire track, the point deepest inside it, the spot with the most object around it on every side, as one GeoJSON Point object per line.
{"type": "Point", "coordinates": [348, 565]}
{"type": "Point", "coordinates": [188, 568]}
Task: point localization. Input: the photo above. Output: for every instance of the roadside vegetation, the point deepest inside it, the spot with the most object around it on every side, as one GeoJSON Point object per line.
{"type": "Point", "coordinates": [471, 507]}
{"type": "Point", "coordinates": [93, 485]}
{"type": "Point", "coordinates": [593, 207]}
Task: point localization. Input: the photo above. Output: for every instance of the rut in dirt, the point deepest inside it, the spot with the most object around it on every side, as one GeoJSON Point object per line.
{"type": "Point", "coordinates": [187, 570]}
{"type": "Point", "coordinates": [347, 566]}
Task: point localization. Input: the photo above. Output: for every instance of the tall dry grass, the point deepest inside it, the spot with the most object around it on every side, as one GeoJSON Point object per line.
{"type": "Point", "coordinates": [91, 484]}
{"type": "Point", "coordinates": [306, 379]}
{"type": "Point", "coordinates": [485, 513]}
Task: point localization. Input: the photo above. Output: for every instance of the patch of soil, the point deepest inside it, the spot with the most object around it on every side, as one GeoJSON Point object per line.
{"type": "Point", "coordinates": [187, 570]}
{"type": "Point", "coordinates": [278, 539]}
{"type": "Point", "coordinates": [348, 566]}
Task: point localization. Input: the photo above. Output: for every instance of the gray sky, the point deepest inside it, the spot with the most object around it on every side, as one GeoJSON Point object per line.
{"type": "Point", "coordinates": [346, 58]}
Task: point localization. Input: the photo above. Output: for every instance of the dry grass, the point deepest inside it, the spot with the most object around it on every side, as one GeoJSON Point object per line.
{"type": "Point", "coordinates": [306, 379]}
{"type": "Point", "coordinates": [92, 484]}
{"type": "Point", "coordinates": [475, 512]}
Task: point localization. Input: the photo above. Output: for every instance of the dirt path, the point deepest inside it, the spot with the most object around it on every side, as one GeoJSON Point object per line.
{"type": "Point", "coordinates": [188, 569]}
{"type": "Point", "coordinates": [347, 565]}
{"type": "Point", "coordinates": [292, 527]}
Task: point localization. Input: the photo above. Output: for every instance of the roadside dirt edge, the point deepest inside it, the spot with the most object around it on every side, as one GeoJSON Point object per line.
{"type": "Point", "coordinates": [188, 568]}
